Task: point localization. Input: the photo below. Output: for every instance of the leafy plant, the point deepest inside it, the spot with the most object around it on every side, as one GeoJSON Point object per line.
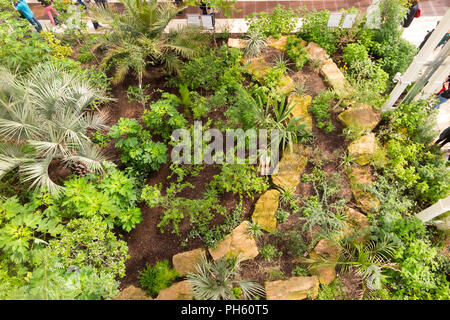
{"type": "Point", "coordinates": [281, 21]}
{"type": "Point", "coordinates": [256, 42]}
{"type": "Point", "coordinates": [269, 252]}
{"type": "Point", "coordinates": [154, 279]}
{"type": "Point", "coordinates": [282, 215]}
{"type": "Point", "coordinates": [296, 51]}
{"type": "Point", "coordinates": [315, 29]}
{"type": "Point", "coordinates": [300, 271]}
{"type": "Point", "coordinates": [255, 230]}
{"type": "Point", "coordinates": [320, 109]}
{"type": "Point", "coordinates": [216, 280]}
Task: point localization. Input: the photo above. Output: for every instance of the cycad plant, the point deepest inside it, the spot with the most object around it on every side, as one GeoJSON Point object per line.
{"type": "Point", "coordinates": [215, 280]}
{"type": "Point", "coordinates": [136, 38]}
{"type": "Point", "coordinates": [368, 259]}
{"type": "Point", "coordinates": [43, 117]}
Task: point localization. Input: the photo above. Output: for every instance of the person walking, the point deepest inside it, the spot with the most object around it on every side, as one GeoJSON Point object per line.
{"type": "Point", "coordinates": [102, 4]}
{"type": "Point", "coordinates": [48, 8]}
{"type": "Point", "coordinates": [444, 94]}
{"type": "Point", "coordinates": [24, 9]}
{"type": "Point", "coordinates": [444, 138]}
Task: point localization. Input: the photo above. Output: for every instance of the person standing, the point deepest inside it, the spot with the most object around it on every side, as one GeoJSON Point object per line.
{"type": "Point", "coordinates": [24, 9]}
{"type": "Point", "coordinates": [48, 8]}
{"type": "Point", "coordinates": [414, 11]}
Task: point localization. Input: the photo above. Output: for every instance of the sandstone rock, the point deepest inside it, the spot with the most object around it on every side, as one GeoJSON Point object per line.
{"type": "Point", "coordinates": [238, 242]}
{"type": "Point", "coordinates": [185, 262]}
{"type": "Point", "coordinates": [290, 167]}
{"type": "Point", "coordinates": [132, 293]}
{"type": "Point", "coordinates": [279, 44]}
{"type": "Point", "coordinates": [179, 291]}
{"type": "Point", "coordinates": [366, 201]}
{"type": "Point", "coordinates": [363, 149]}
{"type": "Point", "coordinates": [360, 119]}
{"type": "Point", "coordinates": [316, 52]}
{"type": "Point", "coordinates": [286, 85]}
{"type": "Point", "coordinates": [334, 77]}
{"type": "Point", "coordinates": [301, 104]}
{"type": "Point", "coordinates": [325, 249]}
{"type": "Point", "coordinates": [259, 67]}
{"type": "Point", "coordinates": [265, 207]}
{"type": "Point", "coordinates": [296, 288]}
{"type": "Point", "coordinates": [237, 43]}
{"type": "Point", "coordinates": [356, 222]}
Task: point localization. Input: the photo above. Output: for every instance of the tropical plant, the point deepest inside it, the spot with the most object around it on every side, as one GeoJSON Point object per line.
{"type": "Point", "coordinates": [43, 118]}
{"type": "Point", "coordinates": [137, 39]}
{"type": "Point", "coordinates": [215, 280]}
{"type": "Point", "coordinates": [256, 42]}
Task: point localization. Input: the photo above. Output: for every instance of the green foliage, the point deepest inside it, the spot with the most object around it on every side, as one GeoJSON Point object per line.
{"type": "Point", "coordinates": [320, 109]}
{"type": "Point", "coordinates": [218, 280]}
{"type": "Point", "coordinates": [325, 208]}
{"type": "Point", "coordinates": [281, 21]}
{"type": "Point", "coordinates": [314, 29]}
{"type": "Point", "coordinates": [85, 55]}
{"type": "Point", "coordinates": [255, 230]}
{"type": "Point", "coordinates": [300, 271]}
{"type": "Point", "coordinates": [239, 179]}
{"type": "Point", "coordinates": [334, 291]}
{"type": "Point", "coordinates": [136, 146]}
{"type": "Point", "coordinates": [282, 215]}
{"type": "Point", "coordinates": [154, 279]}
{"type": "Point", "coordinates": [89, 242]}
{"type": "Point", "coordinates": [296, 51]}
{"type": "Point", "coordinates": [101, 139]}
{"type": "Point", "coordinates": [269, 252]}
{"type": "Point", "coordinates": [138, 94]}
{"type": "Point", "coordinates": [163, 118]}
{"type": "Point", "coordinates": [256, 42]}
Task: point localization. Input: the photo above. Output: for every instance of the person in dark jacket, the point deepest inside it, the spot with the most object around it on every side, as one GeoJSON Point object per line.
{"type": "Point", "coordinates": [25, 10]}
{"type": "Point", "coordinates": [444, 94]}
{"type": "Point", "coordinates": [411, 13]}
{"type": "Point", "coordinates": [48, 8]}
{"type": "Point", "coordinates": [444, 138]}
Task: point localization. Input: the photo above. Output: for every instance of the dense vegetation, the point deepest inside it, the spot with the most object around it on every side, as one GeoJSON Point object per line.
{"type": "Point", "coordinates": [67, 205]}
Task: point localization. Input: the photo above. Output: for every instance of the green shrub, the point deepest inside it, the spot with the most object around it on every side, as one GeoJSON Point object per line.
{"type": "Point", "coordinates": [280, 22]}
{"type": "Point", "coordinates": [163, 118]}
{"type": "Point", "coordinates": [154, 279]}
{"type": "Point", "coordinates": [282, 215]}
{"type": "Point", "coordinates": [296, 52]}
{"type": "Point", "coordinates": [137, 148]}
{"type": "Point", "coordinates": [269, 252]}
{"type": "Point", "coordinates": [300, 271]}
{"type": "Point", "coordinates": [314, 29]}
{"type": "Point", "coordinates": [320, 109]}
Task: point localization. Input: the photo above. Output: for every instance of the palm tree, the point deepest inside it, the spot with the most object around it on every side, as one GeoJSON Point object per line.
{"type": "Point", "coordinates": [43, 118]}
{"type": "Point", "coordinates": [214, 280]}
{"type": "Point", "coordinates": [137, 38]}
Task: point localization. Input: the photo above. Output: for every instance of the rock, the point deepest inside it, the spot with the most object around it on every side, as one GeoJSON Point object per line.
{"type": "Point", "coordinates": [334, 77]}
{"type": "Point", "coordinates": [301, 104]}
{"type": "Point", "coordinates": [316, 52]}
{"type": "Point", "coordinates": [237, 43]}
{"type": "Point", "coordinates": [366, 201]}
{"type": "Point", "coordinates": [363, 149]}
{"type": "Point", "coordinates": [265, 208]}
{"type": "Point", "coordinates": [259, 67]}
{"type": "Point", "coordinates": [179, 291]}
{"type": "Point", "coordinates": [185, 262]}
{"type": "Point", "coordinates": [286, 85]}
{"type": "Point", "coordinates": [132, 293]}
{"type": "Point", "coordinates": [296, 288]}
{"type": "Point", "coordinates": [290, 167]}
{"type": "Point", "coordinates": [325, 249]}
{"type": "Point", "coordinates": [356, 222]}
{"type": "Point", "coordinates": [360, 119]}
{"type": "Point", "coordinates": [238, 242]}
{"type": "Point", "coordinates": [279, 44]}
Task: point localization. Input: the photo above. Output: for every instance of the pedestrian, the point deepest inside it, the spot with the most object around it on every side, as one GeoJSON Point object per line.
{"type": "Point", "coordinates": [102, 4]}
{"type": "Point", "coordinates": [24, 9]}
{"type": "Point", "coordinates": [444, 94]}
{"type": "Point", "coordinates": [48, 8]}
{"type": "Point", "coordinates": [444, 138]}
{"type": "Point", "coordinates": [441, 43]}
{"type": "Point", "coordinates": [414, 12]}
{"type": "Point", "coordinates": [207, 10]}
